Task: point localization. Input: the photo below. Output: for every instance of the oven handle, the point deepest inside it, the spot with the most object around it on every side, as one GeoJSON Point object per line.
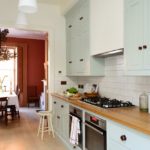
{"type": "Point", "coordinates": [72, 115]}
{"type": "Point", "coordinates": [93, 128]}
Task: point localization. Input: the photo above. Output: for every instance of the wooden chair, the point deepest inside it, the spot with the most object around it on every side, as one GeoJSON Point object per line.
{"type": "Point", "coordinates": [32, 95]}
{"type": "Point", "coordinates": [11, 111]}
{"type": "Point", "coordinates": [3, 108]}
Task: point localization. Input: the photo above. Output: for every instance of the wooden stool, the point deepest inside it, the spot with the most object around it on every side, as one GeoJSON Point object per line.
{"type": "Point", "coordinates": [45, 127]}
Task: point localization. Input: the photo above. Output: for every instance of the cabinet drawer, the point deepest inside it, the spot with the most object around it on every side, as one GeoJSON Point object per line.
{"type": "Point", "coordinates": [117, 133]}
{"type": "Point", "coordinates": [127, 137]}
{"type": "Point", "coordinates": [64, 107]}
{"type": "Point", "coordinates": [113, 145]}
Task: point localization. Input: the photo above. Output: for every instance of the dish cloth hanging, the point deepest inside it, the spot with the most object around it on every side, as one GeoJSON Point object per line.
{"type": "Point", "coordinates": [75, 131]}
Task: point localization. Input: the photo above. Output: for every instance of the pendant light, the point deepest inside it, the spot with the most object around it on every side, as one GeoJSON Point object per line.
{"type": "Point", "coordinates": [27, 6]}
{"type": "Point", "coordinates": [21, 19]}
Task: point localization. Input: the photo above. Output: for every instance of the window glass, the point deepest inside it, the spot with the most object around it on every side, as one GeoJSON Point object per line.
{"type": "Point", "coordinates": [8, 69]}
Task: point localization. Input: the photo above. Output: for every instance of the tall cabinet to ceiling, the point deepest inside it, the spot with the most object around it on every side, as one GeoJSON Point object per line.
{"type": "Point", "coordinates": [106, 26]}
{"type": "Point", "coordinates": [79, 60]}
{"type": "Point", "coordinates": [137, 37]}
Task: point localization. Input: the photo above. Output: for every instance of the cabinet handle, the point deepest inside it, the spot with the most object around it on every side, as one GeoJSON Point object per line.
{"type": "Point", "coordinates": [74, 147]}
{"type": "Point", "coordinates": [144, 46]}
{"type": "Point", "coordinates": [140, 48]}
{"type": "Point", "coordinates": [54, 102]}
{"type": "Point", "coordinates": [58, 117]}
{"type": "Point", "coordinates": [81, 18]}
{"type": "Point", "coordinates": [82, 59]}
{"type": "Point", "coordinates": [62, 106]}
{"type": "Point", "coordinates": [70, 26]}
{"type": "Point", "coordinates": [123, 137]}
{"type": "Point", "coordinates": [70, 62]}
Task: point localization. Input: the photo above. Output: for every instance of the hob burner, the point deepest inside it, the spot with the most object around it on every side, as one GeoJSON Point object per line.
{"type": "Point", "coordinates": [106, 102]}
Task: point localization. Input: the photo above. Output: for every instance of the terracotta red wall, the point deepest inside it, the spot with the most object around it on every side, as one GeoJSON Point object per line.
{"type": "Point", "coordinates": [35, 60]}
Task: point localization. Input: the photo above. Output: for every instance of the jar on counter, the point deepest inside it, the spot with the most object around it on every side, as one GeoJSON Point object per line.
{"type": "Point", "coordinates": [143, 102]}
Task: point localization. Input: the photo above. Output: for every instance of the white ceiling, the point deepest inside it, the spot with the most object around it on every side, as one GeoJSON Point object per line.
{"type": "Point", "coordinates": [53, 2]}
{"type": "Point", "coordinates": [64, 5]}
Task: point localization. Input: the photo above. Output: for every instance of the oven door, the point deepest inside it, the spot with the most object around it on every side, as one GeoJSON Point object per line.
{"type": "Point", "coordinates": [95, 137]}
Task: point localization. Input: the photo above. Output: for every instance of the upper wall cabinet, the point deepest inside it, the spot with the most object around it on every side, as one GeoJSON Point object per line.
{"type": "Point", "coordinates": [137, 37]}
{"type": "Point", "coordinates": [79, 61]}
{"type": "Point", "coordinates": [106, 26]}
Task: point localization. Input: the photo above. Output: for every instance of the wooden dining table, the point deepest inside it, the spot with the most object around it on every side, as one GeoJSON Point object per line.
{"type": "Point", "coordinates": [12, 98]}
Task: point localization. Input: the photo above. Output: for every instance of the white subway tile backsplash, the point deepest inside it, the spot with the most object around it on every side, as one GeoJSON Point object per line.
{"type": "Point", "coordinates": [116, 85]}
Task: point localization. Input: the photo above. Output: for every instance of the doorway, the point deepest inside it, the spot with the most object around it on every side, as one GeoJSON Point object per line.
{"type": "Point", "coordinates": [31, 61]}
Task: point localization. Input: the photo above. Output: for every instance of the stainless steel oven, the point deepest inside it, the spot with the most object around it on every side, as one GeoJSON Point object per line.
{"type": "Point", "coordinates": [73, 111]}
{"type": "Point", "coordinates": [95, 133]}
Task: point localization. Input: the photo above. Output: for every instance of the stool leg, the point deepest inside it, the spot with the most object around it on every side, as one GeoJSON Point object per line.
{"type": "Point", "coordinates": [42, 128]}
{"type": "Point", "coordinates": [51, 125]}
{"type": "Point", "coordinates": [40, 125]}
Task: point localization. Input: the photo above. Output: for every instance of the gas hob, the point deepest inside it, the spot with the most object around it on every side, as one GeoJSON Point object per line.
{"type": "Point", "coordinates": [105, 102]}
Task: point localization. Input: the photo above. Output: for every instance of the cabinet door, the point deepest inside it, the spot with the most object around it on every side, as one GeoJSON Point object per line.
{"type": "Point", "coordinates": [83, 58]}
{"type": "Point", "coordinates": [106, 25]}
{"type": "Point", "coordinates": [72, 31]}
{"type": "Point", "coordinates": [146, 44]}
{"type": "Point", "coordinates": [64, 110]}
{"type": "Point", "coordinates": [83, 17]}
{"type": "Point", "coordinates": [55, 114]}
{"type": "Point", "coordinates": [134, 33]}
{"type": "Point", "coordinates": [113, 145]}
{"type": "Point", "coordinates": [133, 140]}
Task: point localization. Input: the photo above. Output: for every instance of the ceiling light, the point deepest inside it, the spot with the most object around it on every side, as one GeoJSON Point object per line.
{"type": "Point", "coordinates": [21, 19]}
{"type": "Point", "coordinates": [27, 6]}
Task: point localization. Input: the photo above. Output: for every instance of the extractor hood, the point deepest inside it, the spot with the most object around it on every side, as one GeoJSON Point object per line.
{"type": "Point", "coordinates": [111, 53]}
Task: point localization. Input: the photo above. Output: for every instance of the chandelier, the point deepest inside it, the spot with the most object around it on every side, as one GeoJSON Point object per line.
{"type": "Point", "coordinates": [5, 53]}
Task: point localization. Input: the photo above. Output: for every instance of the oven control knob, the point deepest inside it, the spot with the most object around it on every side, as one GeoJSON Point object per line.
{"type": "Point", "coordinates": [123, 137]}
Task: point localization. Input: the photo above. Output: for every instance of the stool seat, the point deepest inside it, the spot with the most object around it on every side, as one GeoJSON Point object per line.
{"type": "Point", "coordinates": [41, 113]}
{"type": "Point", "coordinates": [43, 125]}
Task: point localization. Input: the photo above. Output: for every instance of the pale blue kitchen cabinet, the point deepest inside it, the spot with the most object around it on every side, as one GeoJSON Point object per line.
{"type": "Point", "coordinates": [79, 62]}
{"type": "Point", "coordinates": [120, 137]}
{"type": "Point", "coordinates": [137, 37]}
{"type": "Point", "coordinates": [61, 119]}
{"type": "Point", "coordinates": [113, 145]}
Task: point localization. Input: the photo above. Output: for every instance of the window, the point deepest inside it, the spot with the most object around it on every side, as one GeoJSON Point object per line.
{"type": "Point", "coordinates": [8, 72]}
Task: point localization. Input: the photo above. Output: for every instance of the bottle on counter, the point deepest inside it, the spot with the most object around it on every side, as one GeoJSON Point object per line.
{"type": "Point", "coordinates": [143, 102]}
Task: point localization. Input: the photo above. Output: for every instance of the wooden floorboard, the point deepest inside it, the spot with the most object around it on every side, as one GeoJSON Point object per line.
{"type": "Point", "coordinates": [22, 134]}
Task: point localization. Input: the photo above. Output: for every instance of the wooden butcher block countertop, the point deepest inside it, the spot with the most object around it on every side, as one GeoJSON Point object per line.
{"type": "Point", "coordinates": [128, 116]}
